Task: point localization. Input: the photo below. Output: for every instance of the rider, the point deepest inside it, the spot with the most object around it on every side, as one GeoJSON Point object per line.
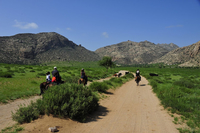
{"type": "Point", "coordinates": [83, 76]}
{"type": "Point", "coordinates": [56, 74]}
{"type": "Point", "coordinates": [138, 74]}
{"type": "Point", "coordinates": [48, 78]}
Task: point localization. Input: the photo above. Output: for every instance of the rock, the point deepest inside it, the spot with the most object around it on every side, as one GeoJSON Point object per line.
{"type": "Point", "coordinates": [52, 129]}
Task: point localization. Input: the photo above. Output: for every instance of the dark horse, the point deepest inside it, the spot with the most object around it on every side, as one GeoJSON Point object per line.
{"type": "Point", "coordinates": [45, 85]}
{"type": "Point", "coordinates": [137, 79]}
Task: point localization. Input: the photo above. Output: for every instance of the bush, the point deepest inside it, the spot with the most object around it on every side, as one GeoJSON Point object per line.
{"type": "Point", "coordinates": [26, 114]}
{"type": "Point", "coordinates": [6, 74]}
{"type": "Point", "coordinates": [68, 79]}
{"type": "Point", "coordinates": [41, 74]}
{"type": "Point", "coordinates": [184, 83]}
{"type": "Point", "coordinates": [74, 101]}
{"type": "Point", "coordinates": [99, 86]}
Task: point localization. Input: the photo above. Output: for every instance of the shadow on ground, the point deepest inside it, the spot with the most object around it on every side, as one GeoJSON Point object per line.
{"type": "Point", "coordinates": [101, 111]}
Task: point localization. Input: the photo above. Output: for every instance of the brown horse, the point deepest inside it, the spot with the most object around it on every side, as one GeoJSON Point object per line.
{"type": "Point", "coordinates": [82, 81]}
{"type": "Point", "coordinates": [44, 86]}
{"type": "Point", "coordinates": [137, 79]}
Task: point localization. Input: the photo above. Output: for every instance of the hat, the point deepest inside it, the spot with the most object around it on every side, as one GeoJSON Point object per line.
{"type": "Point", "coordinates": [55, 67]}
{"type": "Point", "coordinates": [82, 69]}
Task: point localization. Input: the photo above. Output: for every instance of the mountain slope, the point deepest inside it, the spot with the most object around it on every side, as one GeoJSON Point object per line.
{"type": "Point", "coordinates": [133, 52]}
{"type": "Point", "coordinates": [186, 56]}
{"type": "Point", "coordinates": [40, 48]}
{"type": "Point", "coordinates": [169, 47]}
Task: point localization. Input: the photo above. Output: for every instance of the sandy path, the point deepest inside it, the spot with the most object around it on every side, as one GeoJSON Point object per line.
{"type": "Point", "coordinates": [7, 109]}
{"type": "Point", "coordinates": [129, 109]}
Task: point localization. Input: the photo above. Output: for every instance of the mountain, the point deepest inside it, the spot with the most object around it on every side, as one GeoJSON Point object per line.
{"type": "Point", "coordinates": [185, 56]}
{"type": "Point", "coordinates": [42, 47]}
{"type": "Point", "coordinates": [169, 47]}
{"type": "Point", "coordinates": [130, 52]}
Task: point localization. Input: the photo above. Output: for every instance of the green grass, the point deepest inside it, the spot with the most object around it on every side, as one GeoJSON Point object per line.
{"type": "Point", "coordinates": [179, 91]}
{"type": "Point", "coordinates": [13, 129]}
{"type": "Point", "coordinates": [177, 88]}
{"type": "Point", "coordinates": [25, 79]}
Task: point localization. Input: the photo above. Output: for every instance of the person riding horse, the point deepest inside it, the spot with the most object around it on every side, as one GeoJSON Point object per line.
{"type": "Point", "coordinates": [56, 76]}
{"type": "Point", "coordinates": [83, 78]}
{"type": "Point", "coordinates": [137, 78]}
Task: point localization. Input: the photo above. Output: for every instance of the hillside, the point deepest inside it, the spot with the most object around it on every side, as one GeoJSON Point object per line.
{"type": "Point", "coordinates": [186, 56]}
{"type": "Point", "coordinates": [41, 48]}
{"type": "Point", "coordinates": [169, 47]}
{"type": "Point", "coordinates": [130, 52]}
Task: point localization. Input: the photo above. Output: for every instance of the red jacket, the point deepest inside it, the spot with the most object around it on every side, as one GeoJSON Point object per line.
{"type": "Point", "coordinates": [53, 79]}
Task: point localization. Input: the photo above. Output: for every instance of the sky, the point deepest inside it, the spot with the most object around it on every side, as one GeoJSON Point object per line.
{"type": "Point", "coordinates": [99, 23]}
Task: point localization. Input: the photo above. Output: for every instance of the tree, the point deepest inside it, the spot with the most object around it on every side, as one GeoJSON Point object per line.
{"type": "Point", "coordinates": [106, 62]}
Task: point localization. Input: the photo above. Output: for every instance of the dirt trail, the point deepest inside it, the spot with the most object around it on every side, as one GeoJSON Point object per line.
{"type": "Point", "coordinates": [7, 109]}
{"type": "Point", "coordinates": [129, 109]}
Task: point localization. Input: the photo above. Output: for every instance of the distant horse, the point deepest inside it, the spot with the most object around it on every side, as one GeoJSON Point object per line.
{"type": "Point", "coordinates": [137, 79]}
{"type": "Point", "coordinates": [82, 81]}
{"type": "Point", "coordinates": [115, 74]}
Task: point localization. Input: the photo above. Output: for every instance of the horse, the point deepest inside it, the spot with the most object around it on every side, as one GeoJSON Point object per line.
{"type": "Point", "coordinates": [82, 81]}
{"type": "Point", "coordinates": [45, 85]}
{"type": "Point", "coordinates": [137, 79]}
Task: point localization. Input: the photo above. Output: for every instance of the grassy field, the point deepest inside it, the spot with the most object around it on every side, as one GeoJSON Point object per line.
{"type": "Point", "coordinates": [21, 81]}
{"type": "Point", "coordinates": [177, 88]}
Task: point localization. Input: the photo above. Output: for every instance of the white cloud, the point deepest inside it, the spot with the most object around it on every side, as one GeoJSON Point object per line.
{"type": "Point", "coordinates": [105, 34]}
{"type": "Point", "coordinates": [23, 25]}
{"type": "Point", "coordinates": [69, 28]}
{"type": "Point", "coordinates": [174, 26]}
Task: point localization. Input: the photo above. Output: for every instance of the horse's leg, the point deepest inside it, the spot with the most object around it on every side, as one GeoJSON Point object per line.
{"type": "Point", "coordinates": [84, 83]}
{"type": "Point", "coordinates": [78, 81]}
{"type": "Point", "coordinates": [42, 86]}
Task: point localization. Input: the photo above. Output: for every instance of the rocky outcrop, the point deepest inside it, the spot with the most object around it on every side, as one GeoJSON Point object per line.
{"type": "Point", "coordinates": [169, 47]}
{"type": "Point", "coordinates": [40, 48]}
{"type": "Point", "coordinates": [130, 52]}
{"type": "Point", "coordinates": [186, 56]}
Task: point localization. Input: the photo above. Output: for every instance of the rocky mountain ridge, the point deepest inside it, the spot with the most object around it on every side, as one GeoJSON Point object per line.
{"type": "Point", "coordinates": [130, 52]}
{"type": "Point", "coordinates": [42, 47]}
{"type": "Point", "coordinates": [186, 56]}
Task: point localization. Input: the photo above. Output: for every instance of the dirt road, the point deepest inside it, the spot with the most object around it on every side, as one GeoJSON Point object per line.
{"type": "Point", "coordinates": [129, 109]}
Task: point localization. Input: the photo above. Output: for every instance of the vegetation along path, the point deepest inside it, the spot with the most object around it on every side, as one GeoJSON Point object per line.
{"type": "Point", "coordinates": [127, 109]}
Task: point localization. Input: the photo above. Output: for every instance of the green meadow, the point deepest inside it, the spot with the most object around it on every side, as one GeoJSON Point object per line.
{"type": "Point", "coordinates": [177, 88]}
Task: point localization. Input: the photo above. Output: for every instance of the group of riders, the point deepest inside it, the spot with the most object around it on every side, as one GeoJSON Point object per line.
{"type": "Point", "coordinates": [56, 78]}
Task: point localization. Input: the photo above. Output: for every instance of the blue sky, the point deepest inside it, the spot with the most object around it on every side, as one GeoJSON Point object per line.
{"type": "Point", "coordinates": [99, 23]}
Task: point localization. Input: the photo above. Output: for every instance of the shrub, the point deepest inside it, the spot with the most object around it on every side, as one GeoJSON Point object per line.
{"type": "Point", "coordinates": [184, 83]}
{"type": "Point", "coordinates": [6, 74]}
{"type": "Point", "coordinates": [41, 74]}
{"type": "Point", "coordinates": [68, 79]}
{"type": "Point", "coordinates": [74, 101]}
{"type": "Point", "coordinates": [26, 114]}
{"type": "Point", "coordinates": [99, 86]}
